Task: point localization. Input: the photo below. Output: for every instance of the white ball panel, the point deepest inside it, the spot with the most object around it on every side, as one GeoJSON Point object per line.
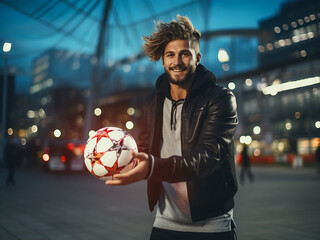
{"type": "Point", "coordinates": [130, 143]}
{"type": "Point", "coordinates": [88, 164]}
{"type": "Point", "coordinates": [116, 135]}
{"type": "Point", "coordinates": [109, 158]}
{"type": "Point", "coordinates": [104, 144]}
{"type": "Point", "coordinates": [90, 146]}
{"type": "Point", "coordinates": [99, 170]}
{"type": "Point", "coordinates": [124, 158]}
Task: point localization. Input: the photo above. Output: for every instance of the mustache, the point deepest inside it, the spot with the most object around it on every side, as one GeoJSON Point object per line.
{"type": "Point", "coordinates": [178, 67]}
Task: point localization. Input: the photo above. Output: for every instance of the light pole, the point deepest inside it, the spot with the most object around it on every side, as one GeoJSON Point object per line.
{"type": "Point", "coordinates": [6, 49]}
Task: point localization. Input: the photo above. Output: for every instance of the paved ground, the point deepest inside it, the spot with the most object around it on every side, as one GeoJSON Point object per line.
{"type": "Point", "coordinates": [282, 203]}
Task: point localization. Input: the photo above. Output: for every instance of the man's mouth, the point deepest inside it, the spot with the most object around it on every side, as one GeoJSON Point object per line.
{"type": "Point", "coordinates": [177, 69]}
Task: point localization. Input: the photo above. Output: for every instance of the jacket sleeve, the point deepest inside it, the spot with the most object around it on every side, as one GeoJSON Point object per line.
{"type": "Point", "coordinates": [216, 134]}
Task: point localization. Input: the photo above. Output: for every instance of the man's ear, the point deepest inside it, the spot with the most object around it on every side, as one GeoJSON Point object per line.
{"type": "Point", "coordinates": [198, 58]}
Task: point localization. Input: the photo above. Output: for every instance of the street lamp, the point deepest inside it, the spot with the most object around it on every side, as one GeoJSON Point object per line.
{"type": "Point", "coordinates": [6, 49]}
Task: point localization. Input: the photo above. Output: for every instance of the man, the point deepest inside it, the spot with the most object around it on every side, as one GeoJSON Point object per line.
{"type": "Point", "coordinates": [190, 124]}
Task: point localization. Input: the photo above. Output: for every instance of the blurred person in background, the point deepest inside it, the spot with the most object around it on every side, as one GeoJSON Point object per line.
{"type": "Point", "coordinates": [12, 155]}
{"type": "Point", "coordinates": [246, 165]}
{"type": "Point", "coordinates": [187, 148]}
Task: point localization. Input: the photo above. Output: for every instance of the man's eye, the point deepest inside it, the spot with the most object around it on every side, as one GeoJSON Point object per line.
{"type": "Point", "coordinates": [170, 55]}
{"type": "Point", "coordinates": [186, 54]}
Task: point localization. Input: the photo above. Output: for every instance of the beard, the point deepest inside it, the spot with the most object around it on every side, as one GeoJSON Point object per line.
{"type": "Point", "coordinates": [187, 78]}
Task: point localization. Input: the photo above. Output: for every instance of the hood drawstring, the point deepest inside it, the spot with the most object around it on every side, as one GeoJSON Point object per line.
{"type": "Point", "coordinates": [173, 120]}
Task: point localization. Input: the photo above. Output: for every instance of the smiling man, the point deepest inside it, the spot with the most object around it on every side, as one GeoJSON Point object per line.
{"type": "Point", "coordinates": [187, 146]}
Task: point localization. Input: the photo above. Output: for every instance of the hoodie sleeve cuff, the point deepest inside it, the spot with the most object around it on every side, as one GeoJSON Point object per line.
{"type": "Point", "coordinates": [151, 166]}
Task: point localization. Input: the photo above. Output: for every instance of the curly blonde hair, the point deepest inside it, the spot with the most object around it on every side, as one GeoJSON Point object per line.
{"type": "Point", "coordinates": [164, 33]}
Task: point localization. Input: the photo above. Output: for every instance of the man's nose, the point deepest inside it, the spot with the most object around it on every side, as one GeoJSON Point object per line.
{"type": "Point", "coordinates": [177, 60]}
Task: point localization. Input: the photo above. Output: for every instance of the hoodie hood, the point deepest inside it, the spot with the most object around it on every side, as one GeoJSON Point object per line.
{"type": "Point", "coordinates": [203, 79]}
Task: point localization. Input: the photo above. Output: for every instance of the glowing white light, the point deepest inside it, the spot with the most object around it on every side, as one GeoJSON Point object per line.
{"type": "Point", "coordinates": [6, 47]}
{"type": "Point", "coordinates": [97, 112]}
{"type": "Point", "coordinates": [317, 124]}
{"type": "Point", "coordinates": [223, 55]}
{"type": "Point", "coordinates": [256, 130]}
{"type": "Point", "coordinates": [57, 133]}
{"type": "Point", "coordinates": [31, 114]}
{"type": "Point", "coordinates": [34, 128]}
{"type": "Point", "coordinates": [245, 140]}
{"type": "Point", "coordinates": [248, 82]}
{"type": "Point", "coordinates": [274, 89]}
{"type": "Point", "coordinates": [42, 113]}
{"type": "Point", "coordinates": [231, 85]}
{"type": "Point", "coordinates": [282, 43]}
{"type": "Point", "coordinates": [10, 131]}
{"type": "Point", "coordinates": [45, 157]}
{"type": "Point", "coordinates": [294, 24]}
{"type": "Point", "coordinates": [288, 126]}
{"type": "Point", "coordinates": [312, 17]}
{"type": "Point", "coordinates": [129, 125]}
{"type": "Point", "coordinates": [130, 111]}
{"type": "Point", "coordinates": [277, 30]}
{"type": "Point", "coordinates": [303, 53]}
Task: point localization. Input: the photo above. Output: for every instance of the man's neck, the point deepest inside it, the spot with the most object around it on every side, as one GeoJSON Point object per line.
{"type": "Point", "coordinates": [180, 91]}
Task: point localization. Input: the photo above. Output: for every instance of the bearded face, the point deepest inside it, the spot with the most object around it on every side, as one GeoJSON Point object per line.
{"type": "Point", "coordinates": [180, 61]}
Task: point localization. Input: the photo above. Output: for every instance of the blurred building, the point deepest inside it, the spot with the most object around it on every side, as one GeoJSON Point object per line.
{"type": "Point", "coordinates": [279, 103]}
{"type": "Point", "coordinates": [58, 93]}
{"type": "Point", "coordinates": [295, 33]}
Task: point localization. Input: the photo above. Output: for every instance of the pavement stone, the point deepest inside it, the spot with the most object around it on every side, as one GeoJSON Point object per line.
{"type": "Point", "coordinates": [282, 203]}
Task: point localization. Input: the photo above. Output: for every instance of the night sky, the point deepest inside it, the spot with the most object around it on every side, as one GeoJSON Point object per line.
{"type": "Point", "coordinates": [30, 37]}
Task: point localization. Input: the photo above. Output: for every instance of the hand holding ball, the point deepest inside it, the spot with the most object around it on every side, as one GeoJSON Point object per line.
{"type": "Point", "coordinates": [109, 151]}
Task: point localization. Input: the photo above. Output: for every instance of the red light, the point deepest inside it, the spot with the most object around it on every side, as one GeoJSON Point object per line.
{"type": "Point", "coordinates": [63, 158]}
{"type": "Point", "coordinates": [70, 146]}
{"type": "Point", "coordinates": [45, 157]}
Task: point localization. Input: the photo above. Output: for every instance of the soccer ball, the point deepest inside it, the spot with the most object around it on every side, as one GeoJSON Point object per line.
{"type": "Point", "coordinates": [109, 151]}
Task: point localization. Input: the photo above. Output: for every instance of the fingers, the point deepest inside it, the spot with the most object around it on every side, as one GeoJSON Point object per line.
{"type": "Point", "coordinates": [124, 178]}
{"type": "Point", "coordinates": [114, 182]}
{"type": "Point", "coordinates": [117, 179]}
{"type": "Point", "coordinates": [134, 175]}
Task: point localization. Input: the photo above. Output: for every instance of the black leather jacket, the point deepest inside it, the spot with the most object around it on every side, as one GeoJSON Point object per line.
{"type": "Point", "coordinates": [209, 120]}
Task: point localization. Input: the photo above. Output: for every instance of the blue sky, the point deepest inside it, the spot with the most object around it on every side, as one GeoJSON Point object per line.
{"type": "Point", "coordinates": [30, 37]}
